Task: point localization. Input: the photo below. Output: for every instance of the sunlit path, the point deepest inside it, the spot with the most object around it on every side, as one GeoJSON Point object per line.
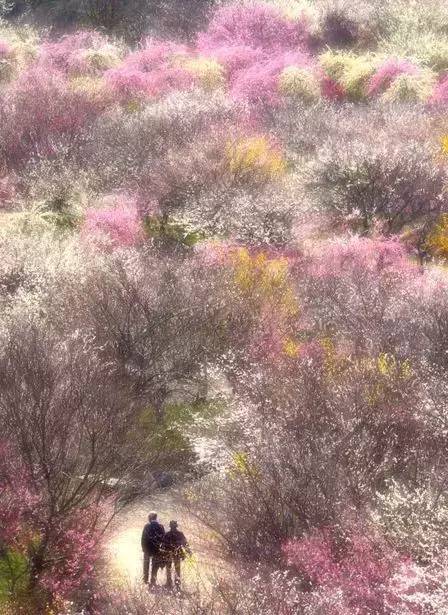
{"type": "Point", "coordinates": [124, 553]}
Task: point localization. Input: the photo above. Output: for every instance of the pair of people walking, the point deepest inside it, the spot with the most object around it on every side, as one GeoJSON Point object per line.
{"type": "Point", "coordinates": [163, 549]}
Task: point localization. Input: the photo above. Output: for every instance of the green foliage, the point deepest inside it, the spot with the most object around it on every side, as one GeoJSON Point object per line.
{"type": "Point", "coordinates": [417, 30]}
{"type": "Point", "coordinates": [410, 88]}
{"type": "Point", "coordinates": [168, 437]}
{"type": "Point", "coordinates": [14, 576]}
{"type": "Point", "coordinates": [352, 72]}
{"type": "Point", "coordinates": [172, 230]}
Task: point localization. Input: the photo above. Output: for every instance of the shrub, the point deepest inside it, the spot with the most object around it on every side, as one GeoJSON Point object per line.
{"type": "Point", "coordinates": [362, 183]}
{"type": "Point", "coordinates": [351, 72]}
{"type": "Point", "coordinates": [83, 53]}
{"type": "Point", "coordinates": [255, 155]}
{"type": "Point", "coordinates": [236, 58]}
{"type": "Point", "coordinates": [345, 23]}
{"type": "Point", "coordinates": [208, 72]}
{"type": "Point", "coordinates": [259, 84]}
{"type": "Point", "coordinates": [7, 192]}
{"type": "Point", "coordinates": [255, 25]}
{"type": "Point", "coordinates": [416, 30]}
{"type": "Point", "coordinates": [358, 565]}
{"type": "Point", "coordinates": [410, 88]}
{"type": "Point", "coordinates": [440, 93]}
{"type": "Point", "coordinates": [338, 29]}
{"type": "Point", "coordinates": [437, 240]}
{"type": "Point", "coordinates": [299, 83]}
{"type": "Point", "coordinates": [149, 73]}
{"type": "Point", "coordinates": [18, 48]}
{"type": "Point", "coordinates": [117, 223]}
{"type": "Point", "coordinates": [39, 109]}
{"type": "Point", "coordinates": [415, 520]}
{"type": "Point", "coordinates": [127, 150]}
{"type": "Point", "coordinates": [387, 72]}
{"type": "Point", "coordinates": [331, 89]}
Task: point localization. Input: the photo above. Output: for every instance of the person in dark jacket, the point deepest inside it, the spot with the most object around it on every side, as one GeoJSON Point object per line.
{"type": "Point", "coordinates": [175, 547]}
{"type": "Point", "coordinates": [152, 538]}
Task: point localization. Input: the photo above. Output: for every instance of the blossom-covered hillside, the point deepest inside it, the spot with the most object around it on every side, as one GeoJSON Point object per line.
{"type": "Point", "coordinates": [223, 267]}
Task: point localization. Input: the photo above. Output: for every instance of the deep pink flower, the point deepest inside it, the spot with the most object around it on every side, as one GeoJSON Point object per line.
{"type": "Point", "coordinates": [359, 565]}
{"type": "Point", "coordinates": [440, 93]}
{"type": "Point", "coordinates": [259, 82]}
{"type": "Point", "coordinates": [386, 74]}
{"type": "Point", "coordinates": [39, 107]}
{"type": "Point", "coordinates": [331, 89]}
{"type": "Point", "coordinates": [149, 72]}
{"type": "Point", "coordinates": [255, 25]}
{"type": "Point", "coordinates": [237, 58]}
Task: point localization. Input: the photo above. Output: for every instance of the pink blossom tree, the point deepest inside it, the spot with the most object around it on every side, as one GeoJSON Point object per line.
{"type": "Point", "coordinates": [117, 224]}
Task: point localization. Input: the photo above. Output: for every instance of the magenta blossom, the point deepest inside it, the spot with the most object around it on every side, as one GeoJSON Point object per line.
{"type": "Point", "coordinates": [358, 565]}
{"type": "Point", "coordinates": [149, 72]}
{"type": "Point", "coordinates": [259, 83]}
{"type": "Point", "coordinates": [255, 25]}
{"type": "Point", "coordinates": [68, 53]}
{"type": "Point", "coordinates": [116, 225]}
{"type": "Point", "coordinates": [440, 93]}
{"type": "Point", "coordinates": [386, 74]}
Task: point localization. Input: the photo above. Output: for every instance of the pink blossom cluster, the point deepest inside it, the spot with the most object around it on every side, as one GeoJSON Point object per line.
{"type": "Point", "coordinates": [5, 49]}
{"type": "Point", "coordinates": [365, 254]}
{"type": "Point", "coordinates": [359, 565]}
{"type": "Point", "coordinates": [69, 54]}
{"type": "Point", "coordinates": [255, 43]}
{"type": "Point", "coordinates": [440, 93]}
{"type": "Point", "coordinates": [387, 72]}
{"type": "Point", "coordinates": [150, 72]}
{"type": "Point", "coordinates": [115, 223]}
{"type": "Point", "coordinates": [40, 107]}
{"type": "Point", "coordinates": [18, 502]}
{"type": "Point", "coordinates": [75, 554]}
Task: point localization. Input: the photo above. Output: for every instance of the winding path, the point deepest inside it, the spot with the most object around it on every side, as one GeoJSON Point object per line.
{"type": "Point", "coordinates": [123, 551]}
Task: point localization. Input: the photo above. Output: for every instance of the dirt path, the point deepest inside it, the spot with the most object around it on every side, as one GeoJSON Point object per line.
{"type": "Point", "coordinates": [124, 552]}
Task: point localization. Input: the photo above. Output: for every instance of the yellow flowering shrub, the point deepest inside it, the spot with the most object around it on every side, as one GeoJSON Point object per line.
{"type": "Point", "coordinates": [388, 366]}
{"type": "Point", "coordinates": [209, 72]}
{"type": "Point", "coordinates": [382, 369]}
{"type": "Point", "coordinates": [242, 466]}
{"type": "Point", "coordinates": [385, 369]}
{"type": "Point", "coordinates": [331, 361]}
{"type": "Point", "coordinates": [255, 156]}
{"type": "Point", "coordinates": [291, 348]}
{"type": "Point", "coordinates": [350, 71]}
{"type": "Point", "coordinates": [299, 83]}
{"type": "Point", "coordinates": [437, 241]}
{"type": "Point", "coordinates": [265, 279]}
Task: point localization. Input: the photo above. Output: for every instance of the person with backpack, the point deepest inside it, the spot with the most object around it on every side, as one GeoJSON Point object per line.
{"type": "Point", "coordinates": [152, 539]}
{"type": "Point", "coordinates": [175, 548]}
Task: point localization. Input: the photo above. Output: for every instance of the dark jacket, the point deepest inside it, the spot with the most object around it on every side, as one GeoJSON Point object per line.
{"type": "Point", "coordinates": [175, 544]}
{"type": "Point", "coordinates": [152, 537]}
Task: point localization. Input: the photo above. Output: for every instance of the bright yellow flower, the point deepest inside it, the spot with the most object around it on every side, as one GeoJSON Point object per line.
{"type": "Point", "coordinates": [255, 154]}
{"type": "Point", "coordinates": [291, 348]}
